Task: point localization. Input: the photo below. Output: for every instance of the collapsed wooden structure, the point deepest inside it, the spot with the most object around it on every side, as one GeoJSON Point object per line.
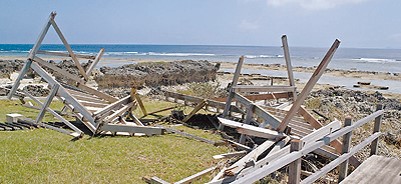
{"type": "Point", "coordinates": [99, 112]}
{"type": "Point", "coordinates": [290, 130]}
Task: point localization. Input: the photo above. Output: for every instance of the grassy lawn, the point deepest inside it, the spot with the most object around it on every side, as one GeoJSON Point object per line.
{"type": "Point", "coordinates": [46, 156]}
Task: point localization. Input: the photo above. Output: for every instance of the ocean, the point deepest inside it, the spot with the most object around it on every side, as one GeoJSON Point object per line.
{"type": "Point", "coordinates": [380, 60]}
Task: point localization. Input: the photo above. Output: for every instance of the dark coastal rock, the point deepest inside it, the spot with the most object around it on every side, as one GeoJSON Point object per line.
{"type": "Point", "coordinates": [9, 66]}
{"type": "Point", "coordinates": [156, 74]}
{"type": "Point", "coordinates": [37, 90]}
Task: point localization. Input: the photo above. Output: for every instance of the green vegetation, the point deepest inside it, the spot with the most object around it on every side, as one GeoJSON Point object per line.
{"type": "Point", "coordinates": [46, 156]}
{"type": "Point", "coordinates": [204, 90]}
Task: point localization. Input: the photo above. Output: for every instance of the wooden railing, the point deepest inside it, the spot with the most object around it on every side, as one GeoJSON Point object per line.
{"type": "Point", "coordinates": [298, 149]}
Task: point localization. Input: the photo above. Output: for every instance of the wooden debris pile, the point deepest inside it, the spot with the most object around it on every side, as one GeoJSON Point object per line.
{"type": "Point", "coordinates": [288, 131]}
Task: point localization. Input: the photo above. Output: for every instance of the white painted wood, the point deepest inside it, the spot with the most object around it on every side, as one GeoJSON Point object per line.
{"type": "Point", "coordinates": [288, 63]}
{"type": "Point", "coordinates": [230, 155]}
{"type": "Point", "coordinates": [231, 90]}
{"type": "Point", "coordinates": [252, 130]}
{"type": "Point", "coordinates": [46, 104]}
{"type": "Point", "coordinates": [189, 179]}
{"type": "Point", "coordinates": [58, 70]}
{"type": "Point", "coordinates": [132, 129]}
{"type": "Point", "coordinates": [62, 54]}
{"type": "Point", "coordinates": [245, 88]}
{"type": "Point", "coordinates": [95, 62]}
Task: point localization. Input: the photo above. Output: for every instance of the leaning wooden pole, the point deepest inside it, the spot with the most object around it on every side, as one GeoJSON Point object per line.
{"type": "Point", "coordinates": [288, 64]}
{"type": "Point", "coordinates": [231, 93]}
{"type": "Point", "coordinates": [309, 86]}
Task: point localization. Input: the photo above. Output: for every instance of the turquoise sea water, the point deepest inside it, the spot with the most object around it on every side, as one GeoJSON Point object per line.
{"type": "Point", "coordinates": [383, 60]}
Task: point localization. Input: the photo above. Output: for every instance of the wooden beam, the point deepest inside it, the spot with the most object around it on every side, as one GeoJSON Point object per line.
{"type": "Point", "coordinates": [112, 106]}
{"type": "Point", "coordinates": [230, 155]}
{"type": "Point", "coordinates": [62, 54]}
{"type": "Point", "coordinates": [294, 173]}
{"type": "Point", "coordinates": [231, 90]}
{"type": "Point", "coordinates": [68, 47]}
{"type": "Point", "coordinates": [378, 120]}
{"type": "Point", "coordinates": [97, 93]}
{"type": "Point", "coordinates": [95, 62]}
{"type": "Point", "coordinates": [308, 87]}
{"type": "Point", "coordinates": [252, 130]}
{"type": "Point", "coordinates": [58, 70]}
{"type": "Point", "coordinates": [194, 111]}
{"type": "Point", "coordinates": [46, 104]}
{"type": "Point", "coordinates": [190, 179]}
{"type": "Point", "coordinates": [260, 96]}
{"type": "Point", "coordinates": [288, 63]}
{"type": "Point", "coordinates": [132, 129]}
{"type": "Point", "coordinates": [343, 168]}
{"type": "Point", "coordinates": [188, 135]}
{"type": "Point", "coordinates": [119, 112]}
{"type": "Point", "coordinates": [246, 88]}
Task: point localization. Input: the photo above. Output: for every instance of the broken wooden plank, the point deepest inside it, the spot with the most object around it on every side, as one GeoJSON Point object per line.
{"type": "Point", "coordinates": [62, 54]}
{"type": "Point", "coordinates": [132, 129]}
{"type": "Point", "coordinates": [194, 111]}
{"type": "Point", "coordinates": [230, 155]}
{"type": "Point", "coordinates": [58, 70]}
{"type": "Point", "coordinates": [189, 179]}
{"type": "Point", "coordinates": [97, 59]}
{"type": "Point", "coordinates": [245, 88]}
{"type": "Point", "coordinates": [252, 130]}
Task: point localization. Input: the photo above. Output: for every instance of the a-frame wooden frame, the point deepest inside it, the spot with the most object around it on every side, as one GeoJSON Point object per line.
{"type": "Point", "coordinates": [98, 111]}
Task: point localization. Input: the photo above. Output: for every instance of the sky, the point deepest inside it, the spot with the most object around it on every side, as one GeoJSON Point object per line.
{"type": "Point", "coordinates": [308, 23]}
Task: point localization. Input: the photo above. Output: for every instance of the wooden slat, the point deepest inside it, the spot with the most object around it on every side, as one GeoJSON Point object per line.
{"type": "Point", "coordinates": [47, 102]}
{"type": "Point", "coordinates": [132, 129]}
{"type": "Point", "coordinates": [62, 54]}
{"type": "Point", "coordinates": [231, 90]}
{"type": "Point", "coordinates": [58, 70]}
{"type": "Point", "coordinates": [112, 106]}
{"type": "Point", "coordinates": [252, 130]}
{"type": "Point", "coordinates": [309, 85]}
{"type": "Point", "coordinates": [189, 179]}
{"type": "Point", "coordinates": [245, 88]}
{"type": "Point", "coordinates": [95, 62]}
{"type": "Point", "coordinates": [97, 93]}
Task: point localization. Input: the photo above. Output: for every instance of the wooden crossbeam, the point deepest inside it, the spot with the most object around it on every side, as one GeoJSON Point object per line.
{"type": "Point", "coordinates": [308, 87]}
{"type": "Point", "coordinates": [252, 130]}
{"type": "Point", "coordinates": [95, 62]}
{"type": "Point", "coordinates": [62, 54]}
{"type": "Point", "coordinates": [46, 104]}
{"type": "Point", "coordinates": [58, 70]}
{"type": "Point", "coordinates": [246, 88]}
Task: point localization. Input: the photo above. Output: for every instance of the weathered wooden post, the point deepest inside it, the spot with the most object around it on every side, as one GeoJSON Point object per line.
{"type": "Point", "coordinates": [294, 175]}
{"type": "Point", "coordinates": [378, 121]}
{"type": "Point", "coordinates": [343, 167]}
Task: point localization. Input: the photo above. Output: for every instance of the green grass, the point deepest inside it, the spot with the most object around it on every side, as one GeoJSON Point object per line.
{"type": "Point", "coordinates": [46, 156]}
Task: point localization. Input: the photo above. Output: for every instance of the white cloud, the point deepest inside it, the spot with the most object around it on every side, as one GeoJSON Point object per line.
{"type": "Point", "coordinates": [249, 25]}
{"type": "Point", "coordinates": [314, 4]}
